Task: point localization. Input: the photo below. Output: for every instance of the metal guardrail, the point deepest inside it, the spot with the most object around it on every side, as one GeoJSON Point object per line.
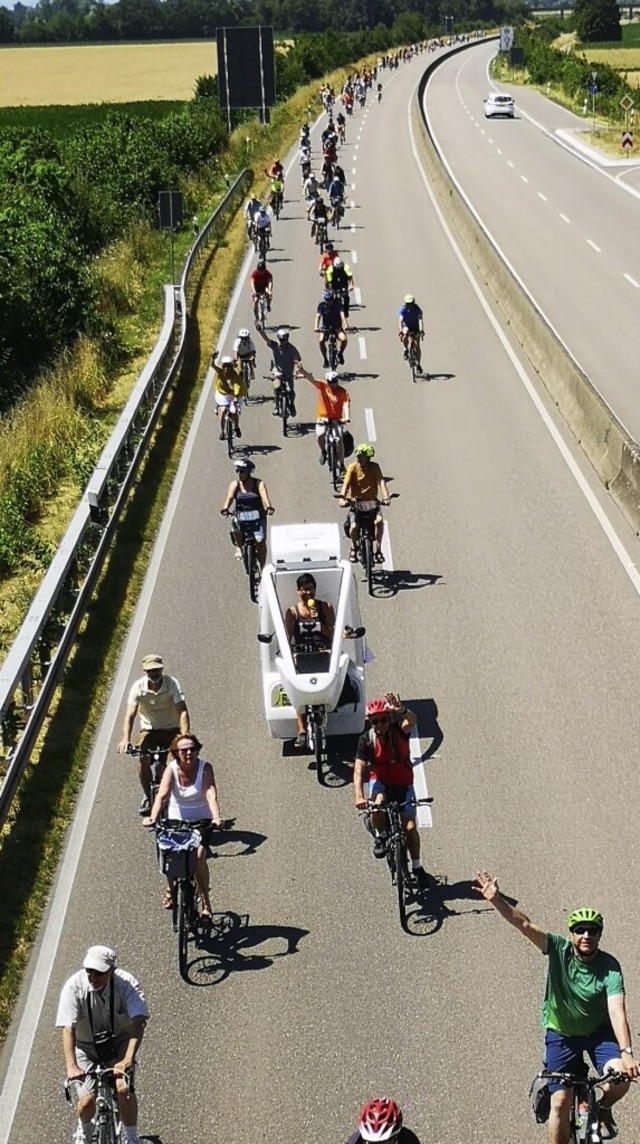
{"type": "Point", "coordinates": [36, 660]}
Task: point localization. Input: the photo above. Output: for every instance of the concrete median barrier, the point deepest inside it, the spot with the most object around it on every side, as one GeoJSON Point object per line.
{"type": "Point", "coordinates": [615, 456]}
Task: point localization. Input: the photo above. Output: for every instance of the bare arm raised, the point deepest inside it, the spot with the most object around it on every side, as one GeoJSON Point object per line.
{"type": "Point", "coordinates": [486, 885]}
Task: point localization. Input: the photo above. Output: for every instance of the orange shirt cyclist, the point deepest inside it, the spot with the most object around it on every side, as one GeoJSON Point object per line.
{"type": "Point", "coordinates": [333, 405]}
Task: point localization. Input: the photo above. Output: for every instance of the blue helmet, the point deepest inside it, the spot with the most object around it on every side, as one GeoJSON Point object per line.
{"type": "Point", "coordinates": [327, 296]}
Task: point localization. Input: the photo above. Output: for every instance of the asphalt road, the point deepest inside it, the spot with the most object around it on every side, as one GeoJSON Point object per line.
{"type": "Point", "coordinates": [510, 623]}
{"type": "Point", "coordinates": [569, 227]}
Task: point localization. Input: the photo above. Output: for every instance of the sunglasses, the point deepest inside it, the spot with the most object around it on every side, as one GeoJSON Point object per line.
{"type": "Point", "coordinates": [380, 722]}
{"type": "Point", "coordinates": [591, 931]}
{"type": "Point", "coordinates": [187, 750]}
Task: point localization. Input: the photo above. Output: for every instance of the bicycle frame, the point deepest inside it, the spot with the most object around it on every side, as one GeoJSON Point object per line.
{"type": "Point", "coordinates": [332, 440]}
{"type": "Point", "coordinates": [585, 1119]}
{"type": "Point", "coordinates": [107, 1126]}
{"type": "Point", "coordinates": [179, 866]}
{"type": "Point", "coordinates": [249, 551]}
{"type": "Point", "coordinates": [396, 850]}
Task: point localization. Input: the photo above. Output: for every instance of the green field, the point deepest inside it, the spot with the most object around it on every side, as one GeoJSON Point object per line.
{"type": "Point", "coordinates": [63, 121]}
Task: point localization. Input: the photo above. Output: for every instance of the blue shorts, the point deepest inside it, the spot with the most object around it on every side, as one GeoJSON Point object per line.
{"type": "Point", "coordinates": [377, 787]}
{"type": "Point", "coordinates": [566, 1054]}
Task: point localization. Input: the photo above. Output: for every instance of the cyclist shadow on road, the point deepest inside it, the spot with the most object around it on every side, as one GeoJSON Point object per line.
{"type": "Point", "coordinates": [426, 712]}
{"type": "Point", "coordinates": [390, 583]}
{"type": "Point", "coordinates": [230, 843]}
{"type": "Point", "coordinates": [235, 946]}
{"type": "Point", "coordinates": [432, 908]}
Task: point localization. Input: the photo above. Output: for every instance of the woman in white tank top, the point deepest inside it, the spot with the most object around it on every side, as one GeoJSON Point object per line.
{"type": "Point", "coordinates": [188, 790]}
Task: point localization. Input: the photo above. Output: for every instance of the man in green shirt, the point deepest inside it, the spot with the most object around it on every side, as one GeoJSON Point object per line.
{"type": "Point", "coordinates": [584, 1008]}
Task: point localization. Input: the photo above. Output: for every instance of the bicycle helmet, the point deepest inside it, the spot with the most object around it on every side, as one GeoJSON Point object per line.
{"type": "Point", "coordinates": [243, 334]}
{"type": "Point", "coordinates": [327, 296]}
{"type": "Point", "coordinates": [380, 1119]}
{"type": "Point", "coordinates": [337, 262]}
{"type": "Point", "coordinates": [244, 463]}
{"type": "Point", "coordinates": [409, 298]}
{"type": "Point", "coordinates": [331, 376]}
{"type": "Point", "coordinates": [282, 334]}
{"type": "Point", "coordinates": [261, 265]}
{"type": "Point", "coordinates": [377, 707]}
{"type": "Point", "coordinates": [226, 360]}
{"type": "Point", "coordinates": [365, 450]}
{"type": "Point", "coordinates": [587, 915]}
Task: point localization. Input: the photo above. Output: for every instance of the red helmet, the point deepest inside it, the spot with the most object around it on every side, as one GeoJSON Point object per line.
{"type": "Point", "coordinates": [380, 1119]}
{"type": "Point", "coordinates": [377, 707]}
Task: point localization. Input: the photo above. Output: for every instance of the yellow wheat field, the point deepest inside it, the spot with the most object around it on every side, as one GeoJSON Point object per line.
{"type": "Point", "coordinates": [103, 73]}
{"type": "Point", "coordinates": [619, 58]}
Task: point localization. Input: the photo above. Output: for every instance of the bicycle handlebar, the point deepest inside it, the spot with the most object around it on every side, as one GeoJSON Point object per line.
{"type": "Point", "coordinates": [131, 750]}
{"type": "Point", "coordinates": [611, 1076]}
{"type": "Point", "coordinates": [384, 806]}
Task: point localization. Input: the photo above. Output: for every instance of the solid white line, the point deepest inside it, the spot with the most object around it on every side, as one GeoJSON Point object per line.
{"type": "Point", "coordinates": [371, 426]}
{"type": "Point", "coordinates": [593, 246]}
{"type": "Point", "coordinates": [632, 281]}
{"type": "Point", "coordinates": [565, 219]}
{"type": "Point", "coordinates": [424, 817]}
{"type": "Point", "coordinates": [543, 197]}
{"type": "Point", "coordinates": [554, 432]}
{"type": "Point", "coordinates": [354, 256]}
{"type": "Point", "coordinates": [357, 293]}
{"type": "Point", "coordinates": [363, 348]}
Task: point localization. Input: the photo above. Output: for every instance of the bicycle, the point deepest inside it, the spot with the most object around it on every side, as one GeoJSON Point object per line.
{"type": "Point", "coordinates": [229, 425]}
{"type": "Point", "coordinates": [337, 213]}
{"type": "Point", "coordinates": [247, 371]}
{"type": "Point", "coordinates": [261, 309]}
{"type": "Point", "coordinates": [275, 202]}
{"type": "Point", "coordinates": [262, 243]}
{"type": "Point", "coordinates": [158, 756]}
{"type": "Point", "coordinates": [585, 1126]}
{"type": "Point", "coordinates": [332, 442]}
{"type": "Point", "coordinates": [248, 522]}
{"type": "Point", "coordinates": [331, 348]}
{"type": "Point", "coordinates": [342, 133]}
{"type": "Point", "coordinates": [366, 513]}
{"type": "Point", "coordinates": [283, 397]}
{"type": "Point", "coordinates": [107, 1126]}
{"type": "Point", "coordinates": [308, 658]}
{"type": "Point", "coordinates": [321, 234]}
{"type": "Point", "coordinates": [177, 844]}
{"type": "Point", "coordinates": [396, 852]}
{"type": "Point", "coordinates": [413, 355]}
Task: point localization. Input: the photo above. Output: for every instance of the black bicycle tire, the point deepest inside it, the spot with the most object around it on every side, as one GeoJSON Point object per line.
{"type": "Point", "coordinates": [284, 407]}
{"type": "Point", "coordinates": [367, 559]}
{"type": "Point", "coordinates": [183, 928]}
{"type": "Point", "coordinates": [331, 461]}
{"type": "Point", "coordinates": [229, 428]}
{"type": "Point", "coordinates": [400, 846]}
{"type": "Point", "coordinates": [319, 752]}
{"type": "Point", "coordinates": [246, 377]}
{"type": "Point", "coordinates": [254, 573]}
{"type": "Point", "coordinates": [105, 1131]}
{"type": "Point", "coordinates": [335, 466]}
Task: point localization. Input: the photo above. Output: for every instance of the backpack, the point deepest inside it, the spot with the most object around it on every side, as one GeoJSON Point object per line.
{"type": "Point", "coordinates": [540, 1099]}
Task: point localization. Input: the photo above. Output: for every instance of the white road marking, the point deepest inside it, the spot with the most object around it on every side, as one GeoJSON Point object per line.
{"type": "Point", "coordinates": [353, 203]}
{"type": "Point", "coordinates": [353, 186]}
{"type": "Point", "coordinates": [565, 219]}
{"type": "Point", "coordinates": [509, 163]}
{"type": "Point", "coordinates": [593, 246]}
{"type": "Point", "coordinates": [543, 197]}
{"type": "Point", "coordinates": [386, 550]}
{"type": "Point", "coordinates": [371, 426]}
{"type": "Point", "coordinates": [353, 170]}
{"type": "Point", "coordinates": [424, 817]}
{"type": "Point", "coordinates": [499, 150]}
{"type": "Point", "coordinates": [354, 256]}
{"type": "Point", "coordinates": [524, 178]}
{"type": "Point", "coordinates": [363, 348]}
{"type": "Point", "coordinates": [632, 281]}
{"type": "Point", "coordinates": [555, 434]}
{"type": "Point", "coordinates": [357, 293]}
{"type": "Point", "coordinates": [352, 226]}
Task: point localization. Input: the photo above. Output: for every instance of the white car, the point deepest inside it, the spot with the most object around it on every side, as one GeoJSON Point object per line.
{"type": "Point", "coordinates": [499, 104]}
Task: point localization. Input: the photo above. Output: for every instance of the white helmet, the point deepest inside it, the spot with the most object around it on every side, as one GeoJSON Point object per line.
{"type": "Point", "coordinates": [243, 335]}
{"type": "Point", "coordinates": [331, 376]}
{"type": "Point", "coordinates": [337, 262]}
{"type": "Point", "coordinates": [282, 333]}
{"type": "Point", "coordinates": [226, 360]}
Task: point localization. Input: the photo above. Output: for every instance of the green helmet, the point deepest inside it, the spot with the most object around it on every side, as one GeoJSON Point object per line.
{"type": "Point", "coordinates": [366, 451]}
{"type": "Point", "coordinates": [585, 915]}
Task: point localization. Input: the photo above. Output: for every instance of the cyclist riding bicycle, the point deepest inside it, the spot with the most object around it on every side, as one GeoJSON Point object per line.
{"type": "Point", "coordinates": [262, 224]}
{"type": "Point", "coordinates": [339, 278]}
{"type": "Point", "coordinates": [309, 624]}
{"type": "Point", "coordinates": [251, 209]}
{"type": "Point", "coordinates": [276, 193]}
{"type": "Point", "coordinates": [230, 390]}
{"type": "Point", "coordinates": [286, 358]}
{"type": "Point", "coordinates": [311, 188]}
{"type": "Point", "coordinates": [341, 125]}
{"type": "Point", "coordinates": [383, 750]}
{"type": "Point", "coordinates": [364, 484]}
{"type": "Point", "coordinates": [261, 284]}
{"type": "Point", "coordinates": [381, 1119]}
{"type": "Point", "coordinates": [248, 493]}
{"type": "Point", "coordinates": [410, 324]}
{"type": "Point", "coordinates": [339, 174]}
{"type": "Point", "coordinates": [333, 405]}
{"type": "Point", "coordinates": [276, 171]}
{"type": "Point", "coordinates": [330, 319]}
{"type": "Point", "coordinates": [102, 1013]}
{"type": "Point", "coordinates": [327, 258]}
{"type": "Point", "coordinates": [584, 1009]}
{"type": "Point", "coordinates": [317, 212]}
{"type": "Point", "coordinates": [245, 351]}
{"type": "Point", "coordinates": [158, 701]}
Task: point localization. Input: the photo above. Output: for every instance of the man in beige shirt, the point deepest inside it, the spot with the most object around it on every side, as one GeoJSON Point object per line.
{"type": "Point", "coordinates": [159, 702]}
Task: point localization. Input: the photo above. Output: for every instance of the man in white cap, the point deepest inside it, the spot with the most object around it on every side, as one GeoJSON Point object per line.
{"type": "Point", "coordinates": [159, 701]}
{"type": "Point", "coordinates": [102, 1013]}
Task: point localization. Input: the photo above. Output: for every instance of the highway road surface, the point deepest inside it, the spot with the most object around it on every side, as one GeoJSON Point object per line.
{"type": "Point", "coordinates": [509, 620]}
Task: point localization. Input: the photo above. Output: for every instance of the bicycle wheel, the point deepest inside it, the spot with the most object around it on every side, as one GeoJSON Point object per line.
{"type": "Point", "coordinates": [319, 749]}
{"type": "Point", "coordinates": [184, 894]}
{"type": "Point", "coordinates": [246, 377]}
{"type": "Point", "coordinates": [253, 571]}
{"type": "Point", "coordinates": [105, 1130]}
{"type": "Point", "coordinates": [401, 874]}
{"type": "Point", "coordinates": [229, 429]}
{"type": "Point", "coordinates": [335, 465]}
{"type": "Point", "coordinates": [333, 352]}
{"type": "Point", "coordinates": [284, 406]}
{"type": "Point", "coordinates": [367, 558]}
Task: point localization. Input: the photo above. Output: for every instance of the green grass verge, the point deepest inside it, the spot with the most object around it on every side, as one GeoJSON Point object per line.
{"type": "Point", "coordinates": [630, 39]}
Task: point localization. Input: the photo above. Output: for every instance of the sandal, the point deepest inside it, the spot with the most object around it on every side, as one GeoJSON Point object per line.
{"type": "Point", "coordinates": [206, 916]}
{"type": "Point", "coordinates": [167, 901]}
{"type": "Point", "coordinates": [353, 556]}
{"type": "Point", "coordinates": [378, 558]}
{"type": "Point", "coordinates": [301, 741]}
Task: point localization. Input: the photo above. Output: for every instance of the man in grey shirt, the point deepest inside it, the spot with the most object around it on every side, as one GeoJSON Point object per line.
{"type": "Point", "coordinates": [285, 358]}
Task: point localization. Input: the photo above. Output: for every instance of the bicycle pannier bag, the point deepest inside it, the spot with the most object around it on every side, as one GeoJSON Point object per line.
{"type": "Point", "coordinates": [540, 1099]}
